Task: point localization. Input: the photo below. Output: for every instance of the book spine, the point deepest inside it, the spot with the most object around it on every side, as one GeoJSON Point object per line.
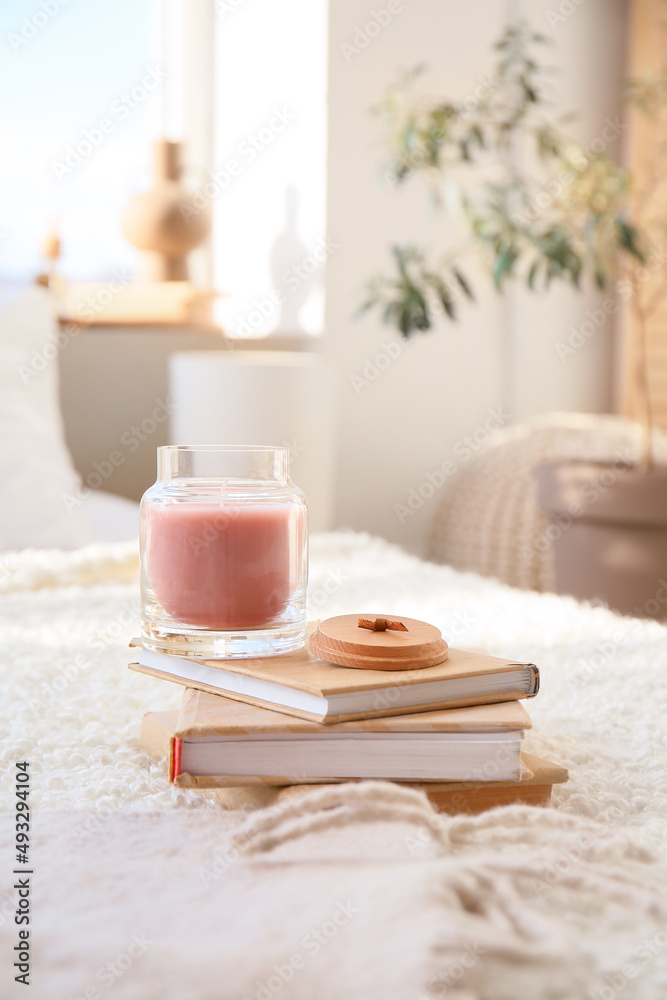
{"type": "Point", "coordinates": [175, 757]}
{"type": "Point", "coordinates": [535, 680]}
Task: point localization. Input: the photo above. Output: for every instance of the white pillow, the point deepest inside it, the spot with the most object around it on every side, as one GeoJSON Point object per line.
{"type": "Point", "coordinates": [111, 518]}
{"type": "Point", "coordinates": [36, 469]}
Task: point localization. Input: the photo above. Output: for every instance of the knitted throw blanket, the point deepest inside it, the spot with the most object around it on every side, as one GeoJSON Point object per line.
{"type": "Point", "coordinates": [143, 891]}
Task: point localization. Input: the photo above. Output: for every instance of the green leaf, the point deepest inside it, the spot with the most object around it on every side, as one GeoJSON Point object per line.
{"type": "Point", "coordinates": [414, 312]}
{"type": "Point", "coordinates": [504, 265]}
{"type": "Point", "coordinates": [600, 277]}
{"type": "Point", "coordinates": [463, 283]}
{"type": "Point", "coordinates": [628, 237]}
{"type": "Point", "coordinates": [443, 291]}
{"type": "Point", "coordinates": [532, 274]}
{"type": "Point", "coordinates": [365, 306]}
{"type": "Point", "coordinates": [529, 92]}
{"type": "Point", "coordinates": [447, 301]}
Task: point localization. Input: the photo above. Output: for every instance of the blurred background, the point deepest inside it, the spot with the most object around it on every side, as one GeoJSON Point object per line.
{"type": "Point", "coordinates": [204, 191]}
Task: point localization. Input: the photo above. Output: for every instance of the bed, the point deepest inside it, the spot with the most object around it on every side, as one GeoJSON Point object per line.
{"type": "Point", "coordinates": [144, 891]}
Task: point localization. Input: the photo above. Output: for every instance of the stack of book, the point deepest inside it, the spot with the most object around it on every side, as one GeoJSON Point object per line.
{"type": "Point", "coordinates": [294, 721]}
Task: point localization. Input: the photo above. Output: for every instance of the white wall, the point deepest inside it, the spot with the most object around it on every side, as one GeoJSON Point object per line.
{"type": "Point", "coordinates": [443, 385]}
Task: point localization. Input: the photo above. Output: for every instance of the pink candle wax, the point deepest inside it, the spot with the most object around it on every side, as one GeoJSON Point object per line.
{"type": "Point", "coordinates": [224, 566]}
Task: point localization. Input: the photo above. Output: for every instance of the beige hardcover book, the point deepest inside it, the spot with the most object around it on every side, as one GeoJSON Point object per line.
{"type": "Point", "coordinates": [157, 740]}
{"type": "Point", "coordinates": [537, 779]}
{"type": "Point", "coordinates": [304, 686]}
{"type": "Point", "coordinates": [203, 714]}
{"type": "Point", "coordinates": [230, 742]}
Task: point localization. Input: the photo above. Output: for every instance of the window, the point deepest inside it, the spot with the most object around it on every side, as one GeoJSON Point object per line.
{"type": "Point", "coordinates": [88, 86]}
{"type": "Point", "coordinates": [269, 212]}
{"type": "Point", "coordinates": [81, 97]}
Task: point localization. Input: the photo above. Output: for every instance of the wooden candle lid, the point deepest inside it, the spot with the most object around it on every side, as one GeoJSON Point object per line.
{"type": "Point", "coordinates": [340, 640]}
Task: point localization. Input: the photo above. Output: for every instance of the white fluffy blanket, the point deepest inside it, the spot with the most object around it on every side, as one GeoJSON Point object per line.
{"type": "Point", "coordinates": [142, 891]}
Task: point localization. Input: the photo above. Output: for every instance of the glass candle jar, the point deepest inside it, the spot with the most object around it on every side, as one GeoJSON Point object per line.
{"type": "Point", "coordinates": [224, 554]}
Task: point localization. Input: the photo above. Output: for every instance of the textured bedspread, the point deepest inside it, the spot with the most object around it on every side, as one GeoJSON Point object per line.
{"type": "Point", "coordinates": [143, 891]}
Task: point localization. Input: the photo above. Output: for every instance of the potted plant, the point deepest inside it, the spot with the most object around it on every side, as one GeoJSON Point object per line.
{"type": "Point", "coordinates": [577, 218]}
